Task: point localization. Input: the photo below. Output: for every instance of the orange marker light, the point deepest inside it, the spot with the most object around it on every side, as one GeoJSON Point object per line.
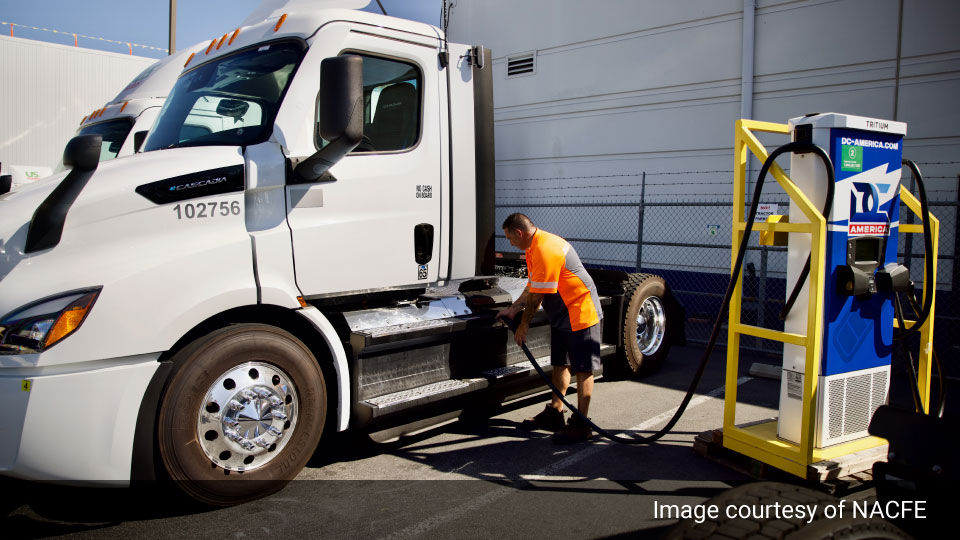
{"type": "Point", "coordinates": [233, 37]}
{"type": "Point", "coordinates": [224, 38]}
{"type": "Point", "coordinates": [187, 63]}
{"type": "Point", "coordinates": [303, 303]}
{"type": "Point", "coordinates": [124, 107]}
{"type": "Point", "coordinates": [283, 19]}
{"type": "Point", "coordinates": [84, 120]}
{"type": "Point", "coordinates": [210, 48]}
{"type": "Point", "coordinates": [71, 318]}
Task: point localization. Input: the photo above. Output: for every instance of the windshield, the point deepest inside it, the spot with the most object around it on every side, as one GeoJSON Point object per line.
{"type": "Point", "coordinates": [228, 102]}
{"type": "Point", "coordinates": [113, 132]}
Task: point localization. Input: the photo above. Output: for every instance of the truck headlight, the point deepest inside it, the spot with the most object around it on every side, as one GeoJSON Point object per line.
{"type": "Point", "coordinates": [38, 326]}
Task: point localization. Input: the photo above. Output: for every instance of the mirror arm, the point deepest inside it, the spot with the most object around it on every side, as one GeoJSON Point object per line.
{"type": "Point", "coordinates": [314, 167]}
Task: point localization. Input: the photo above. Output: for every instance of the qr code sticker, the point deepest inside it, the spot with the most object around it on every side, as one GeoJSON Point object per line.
{"type": "Point", "coordinates": [422, 271]}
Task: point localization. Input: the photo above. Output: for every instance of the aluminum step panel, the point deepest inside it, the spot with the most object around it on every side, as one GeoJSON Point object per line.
{"type": "Point", "coordinates": [445, 389]}
{"type": "Point", "coordinates": [522, 367]}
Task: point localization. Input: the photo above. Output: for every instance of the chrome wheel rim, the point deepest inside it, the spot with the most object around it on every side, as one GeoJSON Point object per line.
{"type": "Point", "coordinates": [247, 416]}
{"type": "Point", "coordinates": [651, 325]}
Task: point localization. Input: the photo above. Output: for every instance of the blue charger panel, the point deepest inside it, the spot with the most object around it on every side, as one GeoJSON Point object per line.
{"type": "Point", "coordinates": [858, 334]}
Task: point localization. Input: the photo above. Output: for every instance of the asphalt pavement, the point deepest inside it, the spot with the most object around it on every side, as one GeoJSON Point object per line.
{"type": "Point", "coordinates": [475, 477]}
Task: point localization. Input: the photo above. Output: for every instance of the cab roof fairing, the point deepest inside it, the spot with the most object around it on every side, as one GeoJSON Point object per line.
{"type": "Point", "coordinates": [303, 24]}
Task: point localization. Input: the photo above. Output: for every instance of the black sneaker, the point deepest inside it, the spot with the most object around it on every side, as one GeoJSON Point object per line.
{"type": "Point", "coordinates": [575, 431]}
{"type": "Point", "coordinates": [549, 419]}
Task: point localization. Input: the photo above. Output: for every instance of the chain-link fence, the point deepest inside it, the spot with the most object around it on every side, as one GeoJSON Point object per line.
{"type": "Point", "coordinates": [677, 224]}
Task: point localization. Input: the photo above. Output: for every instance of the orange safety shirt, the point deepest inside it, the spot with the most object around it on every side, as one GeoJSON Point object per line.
{"type": "Point", "coordinates": [570, 296]}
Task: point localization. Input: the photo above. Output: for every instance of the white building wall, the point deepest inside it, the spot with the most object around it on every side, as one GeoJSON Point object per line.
{"type": "Point", "coordinates": [624, 87]}
{"type": "Point", "coordinates": [46, 89]}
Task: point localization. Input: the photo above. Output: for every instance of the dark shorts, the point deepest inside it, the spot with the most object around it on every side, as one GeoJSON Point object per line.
{"type": "Point", "coordinates": [580, 350]}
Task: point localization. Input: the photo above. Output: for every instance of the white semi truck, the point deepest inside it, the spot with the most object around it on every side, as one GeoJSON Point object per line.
{"type": "Point", "coordinates": [124, 121]}
{"type": "Point", "coordinates": [204, 310]}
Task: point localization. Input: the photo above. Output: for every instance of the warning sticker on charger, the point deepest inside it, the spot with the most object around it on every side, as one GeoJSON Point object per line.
{"type": "Point", "coordinates": [794, 385]}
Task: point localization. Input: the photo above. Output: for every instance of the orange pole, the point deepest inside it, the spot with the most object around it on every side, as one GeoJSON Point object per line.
{"type": "Point", "coordinates": [75, 41]}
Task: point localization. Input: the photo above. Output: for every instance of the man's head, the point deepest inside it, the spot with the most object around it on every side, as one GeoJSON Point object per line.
{"type": "Point", "coordinates": [519, 230]}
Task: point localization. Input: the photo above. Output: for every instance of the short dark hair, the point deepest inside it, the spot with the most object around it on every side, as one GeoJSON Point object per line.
{"type": "Point", "coordinates": [517, 222]}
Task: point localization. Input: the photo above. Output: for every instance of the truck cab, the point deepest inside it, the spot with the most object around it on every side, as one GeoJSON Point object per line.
{"type": "Point", "coordinates": [318, 257]}
{"type": "Point", "coordinates": [125, 120]}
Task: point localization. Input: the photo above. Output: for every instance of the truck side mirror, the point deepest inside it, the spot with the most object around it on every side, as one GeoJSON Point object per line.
{"type": "Point", "coordinates": [82, 155]}
{"type": "Point", "coordinates": [82, 152]}
{"type": "Point", "coordinates": [341, 115]}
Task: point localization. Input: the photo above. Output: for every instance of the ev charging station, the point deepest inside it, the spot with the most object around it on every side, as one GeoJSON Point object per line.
{"type": "Point", "coordinates": [862, 231]}
{"type": "Point", "coordinates": [839, 334]}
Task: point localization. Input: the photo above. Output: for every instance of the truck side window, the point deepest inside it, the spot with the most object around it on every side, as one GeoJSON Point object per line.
{"type": "Point", "coordinates": [114, 132]}
{"type": "Point", "coordinates": [391, 112]}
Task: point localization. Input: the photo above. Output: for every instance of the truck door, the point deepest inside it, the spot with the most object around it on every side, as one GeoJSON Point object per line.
{"type": "Point", "coordinates": [376, 223]}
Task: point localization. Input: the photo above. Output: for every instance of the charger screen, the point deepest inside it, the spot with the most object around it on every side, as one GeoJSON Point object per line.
{"type": "Point", "coordinates": [866, 250]}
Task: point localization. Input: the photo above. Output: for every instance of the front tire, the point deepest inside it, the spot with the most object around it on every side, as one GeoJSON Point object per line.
{"type": "Point", "coordinates": [241, 415]}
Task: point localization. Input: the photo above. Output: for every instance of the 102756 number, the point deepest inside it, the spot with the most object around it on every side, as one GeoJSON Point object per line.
{"type": "Point", "coordinates": [205, 210]}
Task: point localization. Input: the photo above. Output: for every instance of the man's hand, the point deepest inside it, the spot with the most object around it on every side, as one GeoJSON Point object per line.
{"type": "Point", "coordinates": [509, 313]}
{"type": "Point", "coordinates": [528, 303]}
{"type": "Point", "coordinates": [520, 336]}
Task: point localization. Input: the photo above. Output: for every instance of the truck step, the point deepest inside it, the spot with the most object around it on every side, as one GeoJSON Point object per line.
{"type": "Point", "coordinates": [522, 367]}
{"type": "Point", "coordinates": [383, 335]}
{"type": "Point", "coordinates": [424, 394]}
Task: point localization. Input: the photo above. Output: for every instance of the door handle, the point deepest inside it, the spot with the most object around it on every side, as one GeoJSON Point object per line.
{"type": "Point", "coordinates": [423, 242]}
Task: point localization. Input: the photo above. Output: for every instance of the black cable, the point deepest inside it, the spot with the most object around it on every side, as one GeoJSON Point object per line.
{"type": "Point", "coordinates": [827, 205]}
{"type": "Point", "coordinates": [717, 325]}
{"type": "Point", "coordinates": [912, 371]}
{"type": "Point", "coordinates": [927, 256]}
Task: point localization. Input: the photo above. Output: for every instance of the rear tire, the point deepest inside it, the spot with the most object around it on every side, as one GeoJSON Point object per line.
{"type": "Point", "coordinates": [242, 414]}
{"type": "Point", "coordinates": [646, 324]}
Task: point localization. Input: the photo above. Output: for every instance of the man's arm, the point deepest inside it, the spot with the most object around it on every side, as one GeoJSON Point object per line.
{"type": "Point", "coordinates": [516, 306]}
{"type": "Point", "coordinates": [528, 302]}
{"type": "Point", "coordinates": [533, 301]}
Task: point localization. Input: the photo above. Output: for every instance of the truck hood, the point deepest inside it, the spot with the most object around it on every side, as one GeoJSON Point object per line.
{"type": "Point", "coordinates": [109, 194]}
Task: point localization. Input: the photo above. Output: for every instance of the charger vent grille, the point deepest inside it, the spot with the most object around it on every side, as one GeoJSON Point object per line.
{"type": "Point", "coordinates": [851, 402]}
{"type": "Point", "coordinates": [835, 388]}
{"type": "Point", "coordinates": [857, 411]}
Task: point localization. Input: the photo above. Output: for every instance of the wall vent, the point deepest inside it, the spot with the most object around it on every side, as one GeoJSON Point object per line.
{"type": "Point", "coordinates": [521, 64]}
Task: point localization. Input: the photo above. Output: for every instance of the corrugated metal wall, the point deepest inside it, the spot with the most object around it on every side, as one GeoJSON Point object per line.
{"type": "Point", "coordinates": [623, 87]}
{"type": "Point", "coordinates": [46, 89]}
{"type": "Point", "coordinates": [624, 130]}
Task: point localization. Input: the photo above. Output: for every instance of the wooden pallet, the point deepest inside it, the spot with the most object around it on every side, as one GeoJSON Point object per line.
{"type": "Point", "coordinates": [836, 476]}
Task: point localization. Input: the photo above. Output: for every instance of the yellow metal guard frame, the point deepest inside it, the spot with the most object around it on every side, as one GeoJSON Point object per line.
{"type": "Point", "coordinates": [760, 441]}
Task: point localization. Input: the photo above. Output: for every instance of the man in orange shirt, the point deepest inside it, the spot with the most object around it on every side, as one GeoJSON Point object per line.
{"type": "Point", "coordinates": [558, 281]}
